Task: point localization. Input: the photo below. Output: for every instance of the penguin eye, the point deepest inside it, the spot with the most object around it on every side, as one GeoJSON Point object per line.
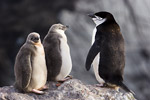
{"type": "Point", "coordinates": [32, 38]}
{"type": "Point", "coordinates": [60, 28]}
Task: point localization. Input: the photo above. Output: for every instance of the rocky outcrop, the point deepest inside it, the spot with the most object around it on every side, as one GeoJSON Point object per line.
{"type": "Point", "coordinates": [70, 90]}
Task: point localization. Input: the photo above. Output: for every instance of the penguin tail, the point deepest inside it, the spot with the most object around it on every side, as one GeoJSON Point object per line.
{"type": "Point", "coordinates": [124, 87]}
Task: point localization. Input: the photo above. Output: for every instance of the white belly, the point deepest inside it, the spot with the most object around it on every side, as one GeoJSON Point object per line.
{"type": "Point", "coordinates": [39, 71]}
{"type": "Point", "coordinates": [66, 60]}
{"type": "Point", "coordinates": [96, 68]}
{"type": "Point", "coordinates": [96, 61]}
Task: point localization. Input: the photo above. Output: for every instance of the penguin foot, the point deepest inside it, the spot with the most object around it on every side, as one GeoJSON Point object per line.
{"type": "Point", "coordinates": [69, 76]}
{"type": "Point", "coordinates": [65, 79]}
{"type": "Point", "coordinates": [99, 85]}
{"type": "Point", "coordinates": [58, 84]}
{"type": "Point", "coordinates": [37, 91]}
{"type": "Point", "coordinates": [103, 85]}
{"type": "Point", "coordinates": [43, 88]}
{"type": "Point", "coordinates": [116, 88]}
{"type": "Point", "coordinates": [108, 85]}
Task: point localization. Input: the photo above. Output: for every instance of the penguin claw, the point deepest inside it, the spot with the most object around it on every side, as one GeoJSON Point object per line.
{"type": "Point", "coordinates": [37, 91]}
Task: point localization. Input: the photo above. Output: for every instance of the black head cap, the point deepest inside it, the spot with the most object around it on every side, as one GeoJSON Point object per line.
{"type": "Point", "coordinates": [102, 14]}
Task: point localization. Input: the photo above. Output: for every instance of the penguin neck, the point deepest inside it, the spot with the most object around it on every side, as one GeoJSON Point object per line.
{"type": "Point", "coordinates": [62, 33]}
{"type": "Point", "coordinates": [38, 44]}
{"type": "Point", "coordinates": [99, 22]}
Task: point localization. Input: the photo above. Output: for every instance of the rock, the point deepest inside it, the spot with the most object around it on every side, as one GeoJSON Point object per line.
{"type": "Point", "coordinates": [70, 90]}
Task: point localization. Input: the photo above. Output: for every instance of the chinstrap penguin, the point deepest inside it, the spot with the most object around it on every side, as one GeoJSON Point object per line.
{"type": "Point", "coordinates": [107, 51]}
{"type": "Point", "coordinates": [57, 53]}
{"type": "Point", "coordinates": [30, 66]}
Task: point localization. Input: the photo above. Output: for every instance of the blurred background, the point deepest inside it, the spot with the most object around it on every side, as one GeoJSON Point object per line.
{"type": "Point", "coordinates": [20, 17]}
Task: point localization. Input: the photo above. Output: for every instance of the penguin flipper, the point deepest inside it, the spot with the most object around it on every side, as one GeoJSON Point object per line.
{"type": "Point", "coordinates": [26, 68]}
{"type": "Point", "coordinates": [94, 50]}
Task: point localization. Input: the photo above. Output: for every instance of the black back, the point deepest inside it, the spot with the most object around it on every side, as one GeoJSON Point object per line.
{"type": "Point", "coordinates": [112, 58]}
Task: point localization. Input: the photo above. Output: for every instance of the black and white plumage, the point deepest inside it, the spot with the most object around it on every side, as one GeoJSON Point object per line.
{"type": "Point", "coordinates": [107, 51]}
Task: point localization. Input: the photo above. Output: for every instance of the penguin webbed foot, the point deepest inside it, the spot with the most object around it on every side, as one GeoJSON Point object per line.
{"type": "Point", "coordinates": [103, 85]}
{"type": "Point", "coordinates": [58, 84]}
{"type": "Point", "coordinates": [37, 91]}
{"type": "Point", "coordinates": [107, 85]}
{"type": "Point", "coordinates": [69, 76]}
{"type": "Point", "coordinates": [66, 78]}
{"type": "Point", "coordinates": [100, 85]}
{"type": "Point", "coordinates": [63, 80]}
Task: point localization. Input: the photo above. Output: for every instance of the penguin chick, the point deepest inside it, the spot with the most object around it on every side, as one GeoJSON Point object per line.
{"type": "Point", "coordinates": [57, 53]}
{"type": "Point", "coordinates": [30, 66]}
{"type": "Point", "coordinates": [107, 51]}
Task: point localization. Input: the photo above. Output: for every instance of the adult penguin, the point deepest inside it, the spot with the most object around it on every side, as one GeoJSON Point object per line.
{"type": "Point", "coordinates": [107, 51]}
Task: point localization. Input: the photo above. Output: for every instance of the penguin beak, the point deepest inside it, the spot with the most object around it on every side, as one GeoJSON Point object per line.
{"type": "Point", "coordinates": [91, 15]}
{"type": "Point", "coordinates": [36, 38]}
{"type": "Point", "coordinates": [67, 26]}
